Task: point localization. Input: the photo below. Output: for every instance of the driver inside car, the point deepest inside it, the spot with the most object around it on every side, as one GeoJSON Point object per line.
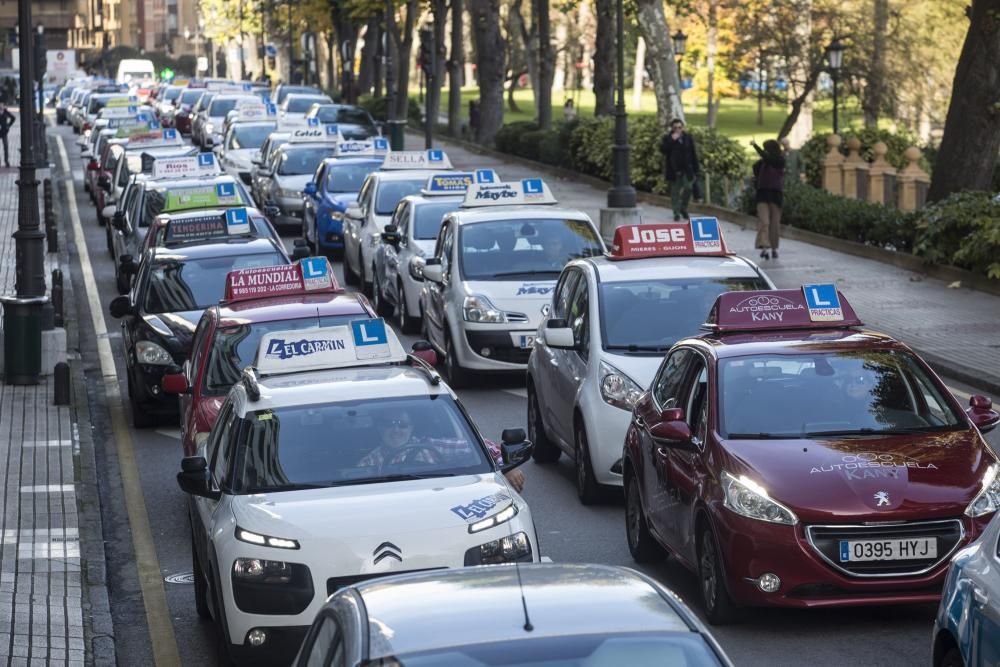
{"type": "Point", "coordinates": [398, 446]}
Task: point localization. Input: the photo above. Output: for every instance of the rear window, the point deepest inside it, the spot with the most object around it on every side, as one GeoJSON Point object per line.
{"type": "Point", "coordinates": [302, 104]}
{"type": "Point", "coordinates": [391, 192]}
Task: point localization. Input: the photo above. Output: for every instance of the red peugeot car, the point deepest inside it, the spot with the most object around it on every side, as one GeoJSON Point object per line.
{"type": "Point", "coordinates": [791, 458]}
{"type": "Point", "coordinates": [257, 301]}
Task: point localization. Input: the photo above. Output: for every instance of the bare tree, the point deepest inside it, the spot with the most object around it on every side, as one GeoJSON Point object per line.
{"type": "Point", "coordinates": [660, 60]}
{"type": "Point", "coordinates": [455, 66]}
{"type": "Point", "coordinates": [490, 66]}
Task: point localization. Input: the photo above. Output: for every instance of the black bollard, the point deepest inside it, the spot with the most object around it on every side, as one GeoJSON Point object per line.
{"type": "Point", "coordinates": [60, 381]}
{"type": "Point", "coordinates": [57, 297]}
{"type": "Point", "coordinates": [51, 234]}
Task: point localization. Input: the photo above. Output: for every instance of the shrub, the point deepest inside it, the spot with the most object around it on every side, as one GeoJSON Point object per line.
{"type": "Point", "coordinates": [508, 137]}
{"type": "Point", "coordinates": [529, 145]}
{"type": "Point", "coordinates": [815, 149]}
{"type": "Point", "coordinates": [554, 146]}
{"type": "Point", "coordinates": [962, 230]}
{"type": "Point", "coordinates": [590, 147]}
{"type": "Point", "coordinates": [376, 106]}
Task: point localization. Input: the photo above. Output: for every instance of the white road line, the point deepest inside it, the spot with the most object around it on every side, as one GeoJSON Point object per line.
{"type": "Point", "coordinates": [49, 488]}
{"type": "Point", "coordinates": [161, 628]}
{"type": "Point", "coordinates": [520, 393]}
{"type": "Point", "coordinates": [47, 443]}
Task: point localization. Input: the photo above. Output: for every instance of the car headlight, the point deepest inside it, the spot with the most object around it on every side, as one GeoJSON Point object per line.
{"type": "Point", "coordinates": [262, 571]}
{"type": "Point", "coordinates": [284, 192]}
{"type": "Point", "coordinates": [417, 268]}
{"type": "Point", "coordinates": [747, 498]}
{"type": "Point", "coordinates": [479, 309]}
{"type": "Point", "coordinates": [209, 127]}
{"type": "Point", "coordinates": [251, 537]}
{"type": "Point", "coordinates": [618, 389]}
{"type": "Point", "coordinates": [148, 352]}
{"type": "Point", "coordinates": [509, 549]}
{"type": "Point", "coordinates": [503, 516]}
{"type": "Point", "coordinates": [988, 499]}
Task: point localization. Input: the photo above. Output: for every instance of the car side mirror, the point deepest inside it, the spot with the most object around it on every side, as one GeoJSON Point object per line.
{"type": "Point", "coordinates": [310, 189]}
{"type": "Point", "coordinates": [353, 212]}
{"type": "Point", "coordinates": [118, 220]}
{"type": "Point", "coordinates": [108, 212]}
{"type": "Point", "coordinates": [672, 429]}
{"type": "Point", "coordinates": [194, 478]}
{"type": "Point", "coordinates": [391, 235]}
{"type": "Point", "coordinates": [425, 351]}
{"type": "Point", "coordinates": [515, 448]}
{"type": "Point", "coordinates": [433, 271]}
{"type": "Point", "coordinates": [216, 148]}
{"type": "Point", "coordinates": [982, 414]}
{"type": "Point", "coordinates": [300, 250]}
{"type": "Point", "coordinates": [104, 182]}
{"type": "Point", "coordinates": [256, 161]}
{"type": "Point", "coordinates": [120, 306]}
{"type": "Point", "coordinates": [558, 334]}
{"type": "Point", "coordinates": [175, 383]}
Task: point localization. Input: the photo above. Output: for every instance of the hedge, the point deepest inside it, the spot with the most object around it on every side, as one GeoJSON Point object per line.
{"type": "Point", "coordinates": [962, 230]}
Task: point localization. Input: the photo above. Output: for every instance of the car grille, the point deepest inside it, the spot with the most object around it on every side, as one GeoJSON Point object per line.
{"type": "Point", "coordinates": [516, 318]}
{"type": "Point", "coordinates": [825, 540]}
{"type": "Point", "coordinates": [334, 584]}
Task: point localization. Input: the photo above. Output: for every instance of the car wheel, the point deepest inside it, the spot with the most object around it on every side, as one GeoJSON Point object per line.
{"type": "Point", "coordinates": [953, 658]}
{"type": "Point", "coordinates": [200, 584]}
{"type": "Point", "coordinates": [641, 543]}
{"type": "Point", "coordinates": [366, 285]}
{"type": "Point", "coordinates": [140, 416]}
{"type": "Point", "coordinates": [407, 324]}
{"type": "Point", "coordinates": [350, 277]}
{"type": "Point", "coordinates": [378, 298]}
{"type": "Point", "coordinates": [121, 281]}
{"type": "Point", "coordinates": [544, 450]}
{"type": "Point", "coordinates": [587, 488]}
{"type": "Point", "coordinates": [458, 377]}
{"type": "Point", "coordinates": [719, 607]}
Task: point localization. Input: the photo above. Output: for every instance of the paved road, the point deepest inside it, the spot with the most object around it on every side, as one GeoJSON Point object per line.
{"type": "Point", "coordinates": [568, 532]}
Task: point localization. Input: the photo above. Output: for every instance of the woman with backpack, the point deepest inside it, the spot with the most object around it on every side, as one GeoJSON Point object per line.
{"type": "Point", "coordinates": [769, 179]}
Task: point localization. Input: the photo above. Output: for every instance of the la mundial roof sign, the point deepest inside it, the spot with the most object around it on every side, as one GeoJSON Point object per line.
{"type": "Point", "coordinates": [313, 275]}
{"type": "Point", "coordinates": [433, 158]}
{"type": "Point", "coordinates": [363, 342]}
{"type": "Point", "coordinates": [530, 191]}
{"type": "Point", "coordinates": [326, 134]}
{"type": "Point", "coordinates": [457, 182]}
{"type": "Point", "coordinates": [811, 307]}
{"type": "Point", "coordinates": [203, 164]}
{"type": "Point", "coordinates": [702, 237]}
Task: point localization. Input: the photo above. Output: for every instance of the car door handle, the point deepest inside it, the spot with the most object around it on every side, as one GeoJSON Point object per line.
{"type": "Point", "coordinates": [661, 454]}
{"type": "Point", "coordinates": [980, 596]}
{"type": "Point", "coordinates": [639, 421]}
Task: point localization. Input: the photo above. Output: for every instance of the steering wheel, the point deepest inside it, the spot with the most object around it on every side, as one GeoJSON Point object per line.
{"type": "Point", "coordinates": [404, 455]}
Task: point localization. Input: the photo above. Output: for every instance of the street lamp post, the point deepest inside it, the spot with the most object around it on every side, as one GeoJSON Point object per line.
{"type": "Point", "coordinates": [621, 194]}
{"type": "Point", "coordinates": [680, 41]}
{"type": "Point", "coordinates": [243, 39]}
{"type": "Point", "coordinates": [835, 59]}
{"type": "Point", "coordinates": [40, 76]}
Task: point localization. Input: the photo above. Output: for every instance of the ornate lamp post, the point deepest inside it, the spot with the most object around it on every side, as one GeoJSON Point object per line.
{"type": "Point", "coordinates": [680, 41]}
{"type": "Point", "coordinates": [835, 59]}
{"type": "Point", "coordinates": [621, 194]}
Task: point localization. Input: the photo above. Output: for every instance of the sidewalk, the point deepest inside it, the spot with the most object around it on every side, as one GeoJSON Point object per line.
{"type": "Point", "coordinates": [42, 595]}
{"type": "Point", "coordinates": [956, 330]}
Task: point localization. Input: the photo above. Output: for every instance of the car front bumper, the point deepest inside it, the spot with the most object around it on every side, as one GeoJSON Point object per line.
{"type": "Point", "coordinates": [490, 347]}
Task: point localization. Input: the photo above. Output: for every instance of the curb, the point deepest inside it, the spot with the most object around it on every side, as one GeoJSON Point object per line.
{"type": "Point", "coordinates": [970, 376]}
{"type": "Point", "coordinates": [99, 634]}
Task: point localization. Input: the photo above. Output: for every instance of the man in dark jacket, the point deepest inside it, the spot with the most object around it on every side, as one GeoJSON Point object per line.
{"type": "Point", "coordinates": [681, 166]}
{"type": "Point", "coordinates": [6, 120]}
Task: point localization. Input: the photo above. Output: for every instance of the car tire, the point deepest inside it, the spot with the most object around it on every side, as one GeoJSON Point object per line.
{"type": "Point", "coordinates": [107, 238]}
{"type": "Point", "coordinates": [350, 277]}
{"type": "Point", "coordinates": [719, 607]}
{"type": "Point", "coordinates": [458, 377]}
{"type": "Point", "coordinates": [641, 543]}
{"type": "Point", "coordinates": [587, 488]}
{"type": "Point", "coordinates": [378, 299]}
{"type": "Point", "coordinates": [952, 658]}
{"type": "Point", "coordinates": [544, 449]}
{"type": "Point", "coordinates": [407, 324]}
{"type": "Point", "coordinates": [366, 285]}
{"type": "Point", "coordinates": [201, 587]}
{"type": "Point", "coordinates": [140, 416]}
{"type": "Point", "coordinates": [121, 281]}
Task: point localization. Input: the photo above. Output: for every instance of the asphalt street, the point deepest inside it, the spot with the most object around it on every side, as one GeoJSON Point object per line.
{"type": "Point", "coordinates": [568, 531]}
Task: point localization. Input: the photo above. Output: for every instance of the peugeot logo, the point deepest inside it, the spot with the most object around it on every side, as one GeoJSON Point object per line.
{"type": "Point", "coordinates": [387, 550]}
{"type": "Point", "coordinates": [881, 498]}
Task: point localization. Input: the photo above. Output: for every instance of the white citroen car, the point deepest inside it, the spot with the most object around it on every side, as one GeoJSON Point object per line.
{"type": "Point", "coordinates": [338, 458]}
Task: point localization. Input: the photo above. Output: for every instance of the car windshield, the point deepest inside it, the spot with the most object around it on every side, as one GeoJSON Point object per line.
{"type": "Point", "coordinates": [347, 177]}
{"type": "Point", "coordinates": [188, 198]}
{"type": "Point", "coordinates": [204, 100]}
{"type": "Point", "coordinates": [249, 136]}
{"type": "Point", "coordinates": [390, 192]}
{"type": "Point", "coordinates": [97, 103]}
{"type": "Point", "coordinates": [171, 94]}
{"type": "Point", "coordinates": [358, 442]}
{"type": "Point", "coordinates": [235, 347]}
{"type": "Point", "coordinates": [191, 96]}
{"type": "Point", "coordinates": [196, 284]}
{"type": "Point", "coordinates": [820, 394]}
{"type": "Point", "coordinates": [222, 107]}
{"type": "Point", "coordinates": [671, 649]}
{"type": "Point", "coordinates": [285, 91]}
{"type": "Point", "coordinates": [427, 218]}
{"type": "Point", "coordinates": [296, 161]}
{"type": "Point", "coordinates": [651, 315]}
{"type": "Point", "coordinates": [302, 104]}
{"type": "Point", "coordinates": [347, 115]}
{"type": "Point", "coordinates": [524, 247]}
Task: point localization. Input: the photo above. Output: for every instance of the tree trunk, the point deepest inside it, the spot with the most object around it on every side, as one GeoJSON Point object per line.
{"type": "Point", "coordinates": [366, 75]}
{"type": "Point", "coordinates": [379, 73]}
{"type": "Point", "coordinates": [972, 129]}
{"type": "Point", "coordinates": [529, 40]}
{"type": "Point", "coordinates": [546, 63]}
{"type": "Point", "coordinates": [604, 58]}
{"type": "Point", "coordinates": [660, 59]}
{"type": "Point", "coordinates": [489, 66]}
{"type": "Point", "coordinates": [637, 74]}
{"type": "Point", "coordinates": [439, 11]}
{"type": "Point", "coordinates": [404, 47]}
{"type": "Point", "coordinates": [511, 87]}
{"type": "Point", "coordinates": [799, 123]}
{"type": "Point", "coordinates": [711, 49]}
{"type": "Point", "coordinates": [455, 64]}
{"type": "Point", "coordinates": [795, 106]}
{"type": "Point", "coordinates": [331, 48]}
{"type": "Point", "coordinates": [873, 99]}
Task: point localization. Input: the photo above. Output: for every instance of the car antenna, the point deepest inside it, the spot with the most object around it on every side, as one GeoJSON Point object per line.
{"type": "Point", "coordinates": [528, 627]}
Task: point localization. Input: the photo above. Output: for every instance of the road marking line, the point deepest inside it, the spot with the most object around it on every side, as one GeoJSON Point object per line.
{"type": "Point", "coordinates": [154, 599]}
{"type": "Point", "coordinates": [520, 393]}
{"type": "Point", "coordinates": [47, 443]}
{"type": "Point", "coordinates": [49, 488]}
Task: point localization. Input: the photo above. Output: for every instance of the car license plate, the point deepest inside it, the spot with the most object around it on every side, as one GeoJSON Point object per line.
{"type": "Point", "coordinates": [524, 341]}
{"type": "Point", "coordinates": [903, 549]}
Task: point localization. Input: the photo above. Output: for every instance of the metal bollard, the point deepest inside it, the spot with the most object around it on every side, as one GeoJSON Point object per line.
{"type": "Point", "coordinates": [51, 233]}
{"type": "Point", "coordinates": [57, 297]}
{"type": "Point", "coordinates": [60, 381]}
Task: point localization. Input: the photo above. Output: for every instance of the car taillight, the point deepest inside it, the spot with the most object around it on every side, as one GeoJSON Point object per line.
{"type": "Point", "coordinates": [86, 125]}
{"type": "Point", "coordinates": [92, 165]}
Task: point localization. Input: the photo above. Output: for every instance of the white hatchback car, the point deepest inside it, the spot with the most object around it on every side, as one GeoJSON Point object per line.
{"type": "Point", "coordinates": [338, 458]}
{"type": "Point", "coordinates": [611, 320]}
{"type": "Point", "coordinates": [490, 281]}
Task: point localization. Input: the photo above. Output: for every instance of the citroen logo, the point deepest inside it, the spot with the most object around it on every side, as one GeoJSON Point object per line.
{"type": "Point", "coordinates": [387, 550]}
{"type": "Point", "coordinates": [881, 498]}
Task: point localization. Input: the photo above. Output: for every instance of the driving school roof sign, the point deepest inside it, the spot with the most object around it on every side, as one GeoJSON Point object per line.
{"type": "Point", "coordinates": [703, 237]}
{"type": "Point", "coordinates": [433, 158]}
{"type": "Point", "coordinates": [353, 148]}
{"type": "Point", "coordinates": [203, 164]}
{"type": "Point", "coordinates": [811, 307]}
{"type": "Point", "coordinates": [119, 112]}
{"type": "Point", "coordinates": [309, 276]}
{"type": "Point", "coordinates": [207, 196]}
{"type": "Point", "coordinates": [530, 191]}
{"type": "Point", "coordinates": [325, 134]}
{"type": "Point", "coordinates": [451, 182]}
{"type": "Point", "coordinates": [323, 348]}
{"type": "Point", "coordinates": [167, 137]}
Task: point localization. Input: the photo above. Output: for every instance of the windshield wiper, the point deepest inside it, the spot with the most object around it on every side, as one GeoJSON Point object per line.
{"type": "Point", "coordinates": [394, 478]}
{"type": "Point", "coordinates": [640, 348]}
{"type": "Point", "coordinates": [873, 432]}
{"type": "Point", "coordinates": [288, 487]}
{"type": "Point", "coordinates": [511, 274]}
{"type": "Point", "coordinates": [763, 436]}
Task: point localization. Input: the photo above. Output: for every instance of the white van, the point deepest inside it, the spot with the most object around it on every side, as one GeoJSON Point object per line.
{"type": "Point", "coordinates": [135, 69]}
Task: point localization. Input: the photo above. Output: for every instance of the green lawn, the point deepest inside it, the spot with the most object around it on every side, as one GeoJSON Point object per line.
{"type": "Point", "coordinates": [737, 118]}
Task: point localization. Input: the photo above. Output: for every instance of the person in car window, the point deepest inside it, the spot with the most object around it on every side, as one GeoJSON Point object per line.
{"type": "Point", "coordinates": [399, 446]}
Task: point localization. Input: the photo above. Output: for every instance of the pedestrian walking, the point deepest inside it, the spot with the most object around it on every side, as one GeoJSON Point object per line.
{"type": "Point", "coordinates": [680, 166]}
{"type": "Point", "coordinates": [569, 111]}
{"type": "Point", "coordinates": [6, 121]}
{"type": "Point", "coordinates": [769, 180]}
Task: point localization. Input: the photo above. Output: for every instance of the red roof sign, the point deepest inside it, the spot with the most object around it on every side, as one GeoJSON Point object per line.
{"type": "Point", "coordinates": [701, 238]}
{"type": "Point", "coordinates": [308, 276]}
{"type": "Point", "coordinates": [811, 307]}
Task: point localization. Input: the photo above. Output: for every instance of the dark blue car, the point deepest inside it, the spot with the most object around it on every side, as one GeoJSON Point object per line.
{"type": "Point", "coordinates": [334, 187]}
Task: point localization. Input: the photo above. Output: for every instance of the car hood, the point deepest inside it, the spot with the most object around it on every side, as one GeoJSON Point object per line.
{"type": "Point", "coordinates": [898, 477]}
{"type": "Point", "coordinates": [242, 156]}
{"type": "Point", "coordinates": [341, 200]}
{"type": "Point", "coordinates": [293, 182]}
{"type": "Point", "coordinates": [529, 297]}
{"type": "Point", "coordinates": [179, 326]}
{"type": "Point", "coordinates": [341, 513]}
